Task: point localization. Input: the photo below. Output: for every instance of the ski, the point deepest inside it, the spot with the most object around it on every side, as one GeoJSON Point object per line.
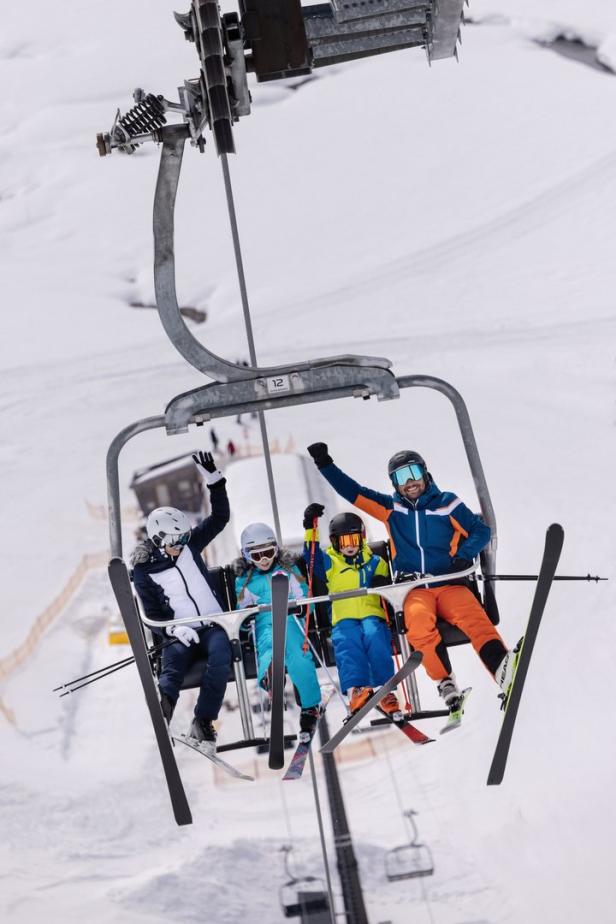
{"type": "Point", "coordinates": [122, 588]}
{"type": "Point", "coordinates": [551, 554]}
{"type": "Point", "coordinates": [280, 612]}
{"type": "Point", "coordinates": [207, 749]}
{"type": "Point", "coordinates": [407, 668]}
{"type": "Point", "coordinates": [298, 761]}
{"type": "Point", "coordinates": [454, 719]}
{"type": "Point", "coordinates": [413, 733]}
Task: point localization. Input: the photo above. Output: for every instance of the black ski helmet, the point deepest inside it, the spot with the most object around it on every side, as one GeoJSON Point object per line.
{"type": "Point", "coordinates": [343, 524]}
{"type": "Point", "coordinates": [405, 457]}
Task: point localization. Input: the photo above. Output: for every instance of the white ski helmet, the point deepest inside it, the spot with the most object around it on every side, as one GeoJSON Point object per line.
{"type": "Point", "coordinates": [168, 526]}
{"type": "Point", "coordinates": [255, 535]}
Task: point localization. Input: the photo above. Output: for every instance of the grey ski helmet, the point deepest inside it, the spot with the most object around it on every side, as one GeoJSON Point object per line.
{"type": "Point", "coordinates": [406, 457]}
{"type": "Point", "coordinates": [168, 526]}
{"type": "Point", "coordinates": [255, 535]}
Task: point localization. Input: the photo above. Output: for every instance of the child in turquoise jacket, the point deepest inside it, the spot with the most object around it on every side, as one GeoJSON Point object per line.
{"type": "Point", "coordinates": [261, 559]}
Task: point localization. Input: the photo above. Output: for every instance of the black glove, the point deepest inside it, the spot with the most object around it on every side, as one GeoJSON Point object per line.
{"type": "Point", "coordinates": [461, 564]}
{"type": "Point", "coordinates": [319, 453]}
{"type": "Point", "coordinates": [312, 513]}
{"type": "Point", "coordinates": [208, 468]}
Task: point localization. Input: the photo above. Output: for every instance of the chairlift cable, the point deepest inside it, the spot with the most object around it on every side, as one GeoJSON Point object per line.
{"type": "Point", "coordinates": [250, 337]}
{"type": "Point", "coordinates": [285, 812]}
{"type": "Point", "coordinates": [409, 828]}
{"type": "Point", "coordinates": [317, 802]}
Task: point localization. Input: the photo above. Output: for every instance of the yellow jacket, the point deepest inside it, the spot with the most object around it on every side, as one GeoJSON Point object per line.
{"type": "Point", "coordinates": [342, 573]}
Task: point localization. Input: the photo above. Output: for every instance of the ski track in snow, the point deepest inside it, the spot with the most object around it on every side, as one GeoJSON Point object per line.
{"type": "Point", "coordinates": [520, 220]}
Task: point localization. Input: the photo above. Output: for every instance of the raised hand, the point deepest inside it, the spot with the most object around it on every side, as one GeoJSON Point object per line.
{"type": "Point", "coordinates": [312, 513]}
{"type": "Point", "coordinates": [206, 465]}
{"type": "Point", "coordinates": [320, 454]}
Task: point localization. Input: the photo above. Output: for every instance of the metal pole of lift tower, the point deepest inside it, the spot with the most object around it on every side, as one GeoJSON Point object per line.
{"type": "Point", "coordinates": [346, 860]}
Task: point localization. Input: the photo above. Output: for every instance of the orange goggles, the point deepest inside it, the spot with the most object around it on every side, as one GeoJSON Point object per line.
{"type": "Point", "coordinates": [349, 540]}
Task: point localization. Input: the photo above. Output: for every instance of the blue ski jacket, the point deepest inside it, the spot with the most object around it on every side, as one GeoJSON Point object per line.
{"type": "Point", "coordinates": [425, 535]}
{"type": "Point", "coordinates": [170, 588]}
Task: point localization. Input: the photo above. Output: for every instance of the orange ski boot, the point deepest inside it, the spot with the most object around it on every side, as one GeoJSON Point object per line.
{"type": "Point", "coordinates": [359, 696]}
{"type": "Point", "coordinates": [390, 706]}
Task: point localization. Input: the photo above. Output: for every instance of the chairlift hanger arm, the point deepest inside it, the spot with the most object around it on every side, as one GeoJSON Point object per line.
{"type": "Point", "coordinates": [300, 375]}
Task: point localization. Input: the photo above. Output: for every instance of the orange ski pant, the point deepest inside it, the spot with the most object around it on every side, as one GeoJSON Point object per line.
{"type": "Point", "coordinates": [455, 604]}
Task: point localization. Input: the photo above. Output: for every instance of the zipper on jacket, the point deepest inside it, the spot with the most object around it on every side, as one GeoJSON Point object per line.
{"type": "Point", "coordinates": [188, 594]}
{"type": "Point", "coordinates": [419, 545]}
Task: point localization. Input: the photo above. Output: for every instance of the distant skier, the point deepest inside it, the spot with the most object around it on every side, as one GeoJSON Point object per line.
{"type": "Point", "coordinates": [172, 581]}
{"type": "Point", "coordinates": [261, 559]}
{"type": "Point", "coordinates": [360, 633]}
{"type": "Point", "coordinates": [231, 449]}
{"type": "Point", "coordinates": [431, 532]}
{"type": "Point", "coordinates": [214, 439]}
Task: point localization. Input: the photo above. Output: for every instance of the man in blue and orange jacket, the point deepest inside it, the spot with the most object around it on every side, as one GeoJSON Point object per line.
{"type": "Point", "coordinates": [431, 532]}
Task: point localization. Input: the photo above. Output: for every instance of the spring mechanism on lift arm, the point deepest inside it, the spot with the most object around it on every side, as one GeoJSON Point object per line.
{"type": "Point", "coordinates": [145, 118]}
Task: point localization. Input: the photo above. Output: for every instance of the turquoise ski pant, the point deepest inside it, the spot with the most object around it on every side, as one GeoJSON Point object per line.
{"type": "Point", "coordinates": [298, 662]}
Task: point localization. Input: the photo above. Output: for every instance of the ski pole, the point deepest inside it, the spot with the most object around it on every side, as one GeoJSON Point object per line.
{"type": "Point", "coordinates": [94, 679]}
{"type": "Point", "coordinates": [313, 545]}
{"type": "Point", "coordinates": [101, 670]}
{"type": "Point", "coordinates": [533, 577]}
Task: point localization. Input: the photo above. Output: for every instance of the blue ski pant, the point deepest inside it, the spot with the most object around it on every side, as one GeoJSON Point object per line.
{"type": "Point", "coordinates": [363, 652]}
{"type": "Point", "coordinates": [214, 646]}
{"type": "Point", "coordinates": [298, 662]}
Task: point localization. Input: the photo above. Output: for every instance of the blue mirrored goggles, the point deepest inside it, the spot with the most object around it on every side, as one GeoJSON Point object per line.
{"type": "Point", "coordinates": [411, 472]}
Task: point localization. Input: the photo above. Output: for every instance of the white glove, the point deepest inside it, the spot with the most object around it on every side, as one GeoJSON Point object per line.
{"type": "Point", "coordinates": [206, 465]}
{"type": "Point", "coordinates": [184, 634]}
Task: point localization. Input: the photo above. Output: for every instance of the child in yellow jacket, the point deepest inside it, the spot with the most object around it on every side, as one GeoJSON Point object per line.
{"type": "Point", "coordinates": [360, 632]}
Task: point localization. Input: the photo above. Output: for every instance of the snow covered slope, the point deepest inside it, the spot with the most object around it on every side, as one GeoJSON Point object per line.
{"type": "Point", "coordinates": [458, 219]}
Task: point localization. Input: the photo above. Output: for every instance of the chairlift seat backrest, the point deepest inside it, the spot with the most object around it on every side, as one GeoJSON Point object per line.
{"type": "Point", "coordinates": [409, 861]}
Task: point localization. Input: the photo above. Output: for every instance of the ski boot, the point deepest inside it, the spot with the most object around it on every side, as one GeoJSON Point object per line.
{"type": "Point", "coordinates": [390, 706]}
{"type": "Point", "coordinates": [454, 699]}
{"type": "Point", "coordinates": [203, 732]}
{"type": "Point", "coordinates": [308, 719]}
{"type": "Point", "coordinates": [505, 672]}
{"type": "Point", "coordinates": [168, 706]}
{"type": "Point", "coordinates": [359, 697]}
{"type": "Point", "coordinates": [449, 692]}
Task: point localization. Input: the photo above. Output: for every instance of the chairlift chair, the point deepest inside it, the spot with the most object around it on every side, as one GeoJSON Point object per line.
{"type": "Point", "coordinates": [409, 861]}
{"type": "Point", "coordinates": [301, 896]}
{"type": "Point", "coordinates": [235, 389]}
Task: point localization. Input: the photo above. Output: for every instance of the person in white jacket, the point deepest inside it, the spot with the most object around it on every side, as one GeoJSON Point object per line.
{"type": "Point", "coordinates": [173, 582]}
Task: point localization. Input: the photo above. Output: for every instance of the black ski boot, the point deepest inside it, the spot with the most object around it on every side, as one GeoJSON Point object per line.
{"type": "Point", "coordinates": [308, 719]}
{"type": "Point", "coordinates": [203, 731]}
{"type": "Point", "coordinates": [168, 707]}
